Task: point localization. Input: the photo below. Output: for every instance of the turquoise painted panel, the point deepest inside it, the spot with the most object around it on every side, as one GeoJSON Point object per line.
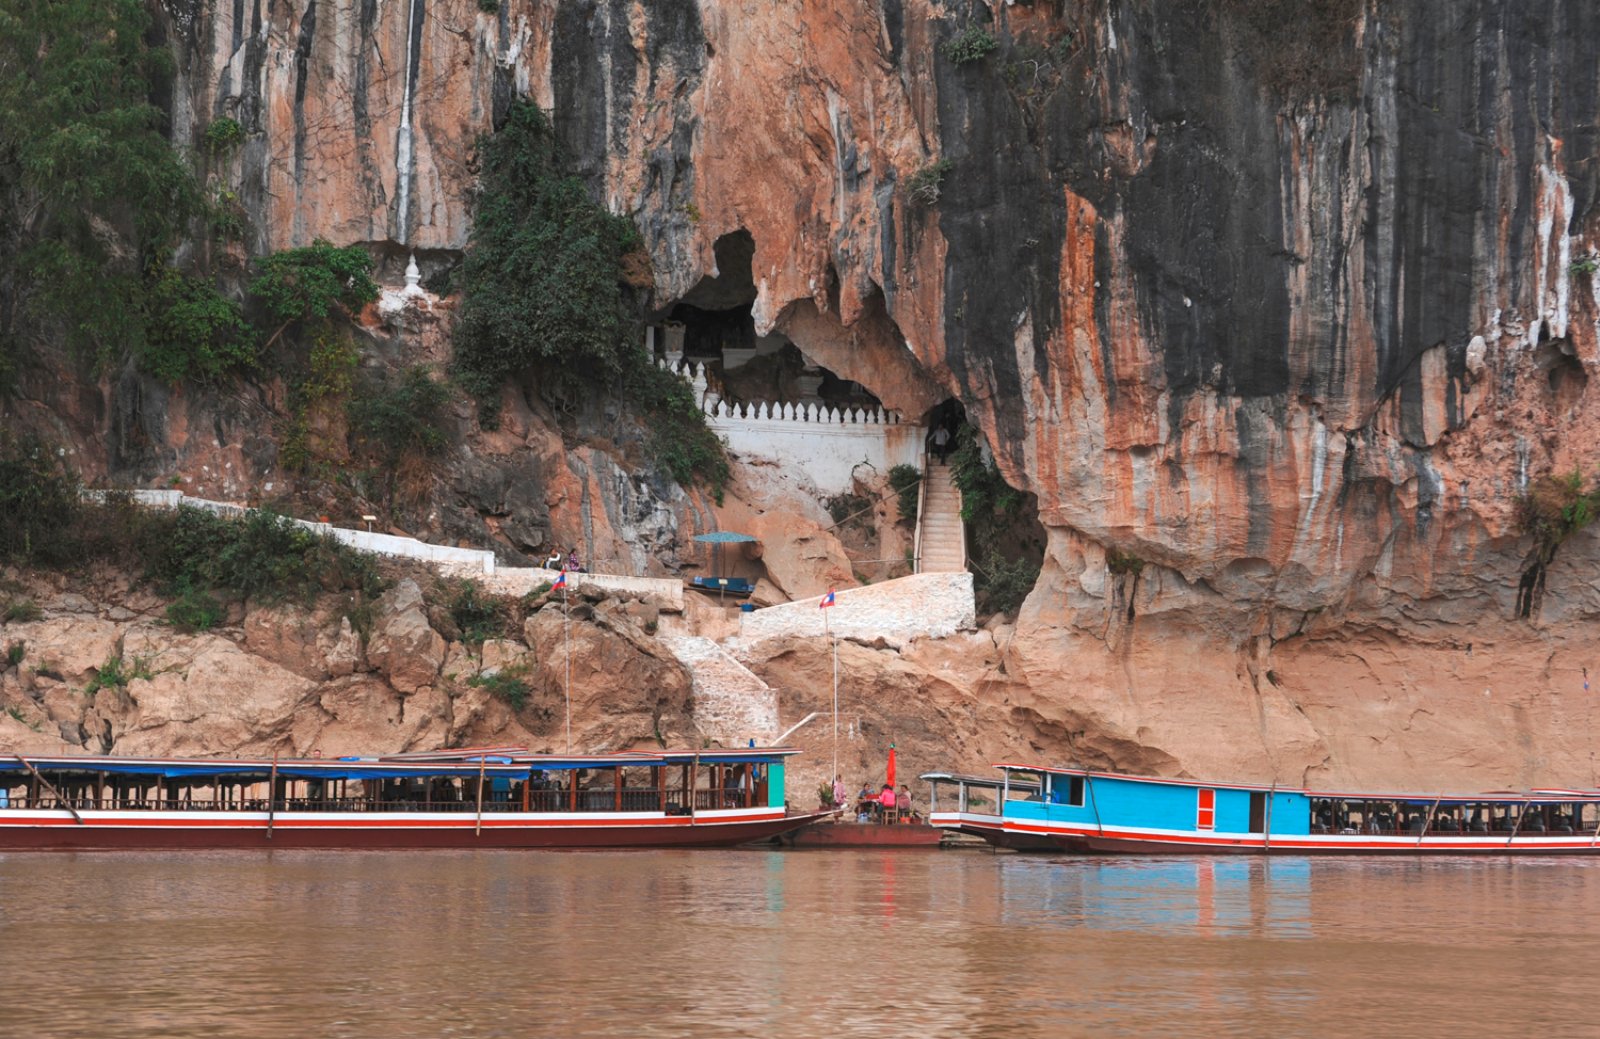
{"type": "Point", "coordinates": [1233, 811]}
{"type": "Point", "coordinates": [1291, 814]}
{"type": "Point", "coordinates": [775, 784]}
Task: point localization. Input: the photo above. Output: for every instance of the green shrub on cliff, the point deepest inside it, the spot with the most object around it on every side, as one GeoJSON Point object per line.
{"type": "Point", "coordinates": [543, 272]}
{"type": "Point", "coordinates": [973, 43]}
{"type": "Point", "coordinates": [90, 189]}
{"type": "Point", "coordinates": [193, 331]}
{"type": "Point", "coordinates": [313, 282]}
{"type": "Point", "coordinates": [545, 294]}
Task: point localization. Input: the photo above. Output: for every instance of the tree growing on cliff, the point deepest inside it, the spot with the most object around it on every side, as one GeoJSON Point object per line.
{"type": "Point", "coordinates": [545, 292]}
{"type": "Point", "coordinates": [90, 190]}
{"type": "Point", "coordinates": [543, 271]}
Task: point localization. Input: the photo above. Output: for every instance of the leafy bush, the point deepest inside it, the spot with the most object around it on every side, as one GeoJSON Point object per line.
{"type": "Point", "coordinates": [972, 44]}
{"type": "Point", "coordinates": [21, 611]}
{"type": "Point", "coordinates": [489, 6]}
{"type": "Point", "coordinates": [39, 505]}
{"type": "Point", "coordinates": [311, 282]}
{"type": "Point", "coordinates": [224, 135]}
{"type": "Point", "coordinates": [504, 684]}
{"type": "Point", "coordinates": [1586, 265]}
{"type": "Point", "coordinates": [543, 271]}
{"type": "Point", "coordinates": [1123, 562]}
{"type": "Point", "coordinates": [194, 610]}
{"type": "Point", "coordinates": [907, 483]}
{"type": "Point", "coordinates": [15, 652]}
{"type": "Point", "coordinates": [117, 673]}
{"type": "Point", "coordinates": [848, 508]}
{"type": "Point", "coordinates": [925, 185]}
{"type": "Point", "coordinates": [476, 616]}
{"type": "Point", "coordinates": [92, 187]}
{"type": "Point", "coordinates": [193, 331]}
{"type": "Point", "coordinates": [262, 556]}
{"type": "Point", "coordinates": [680, 440]}
{"type": "Point", "coordinates": [1001, 584]}
{"type": "Point", "coordinates": [402, 417]}
{"type": "Point", "coordinates": [984, 492]}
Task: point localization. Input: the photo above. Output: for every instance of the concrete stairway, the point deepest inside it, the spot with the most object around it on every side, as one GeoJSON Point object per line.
{"type": "Point", "coordinates": [731, 703]}
{"type": "Point", "coordinates": [943, 541]}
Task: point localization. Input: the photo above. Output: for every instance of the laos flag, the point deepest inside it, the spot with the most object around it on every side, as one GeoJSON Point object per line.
{"type": "Point", "coordinates": [827, 600]}
{"type": "Point", "coordinates": [561, 581]}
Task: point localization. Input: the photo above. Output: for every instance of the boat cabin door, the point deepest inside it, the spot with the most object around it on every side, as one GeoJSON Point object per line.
{"type": "Point", "coordinates": [1258, 812]}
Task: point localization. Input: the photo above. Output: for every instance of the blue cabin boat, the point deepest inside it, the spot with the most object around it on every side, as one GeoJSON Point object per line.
{"type": "Point", "coordinates": [1079, 810]}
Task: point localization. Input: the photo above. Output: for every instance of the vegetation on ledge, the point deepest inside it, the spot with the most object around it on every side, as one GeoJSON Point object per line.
{"type": "Point", "coordinates": [1006, 560]}
{"type": "Point", "coordinates": [545, 294]}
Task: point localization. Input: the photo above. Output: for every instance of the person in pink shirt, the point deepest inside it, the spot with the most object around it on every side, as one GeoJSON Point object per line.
{"type": "Point", "coordinates": [886, 802]}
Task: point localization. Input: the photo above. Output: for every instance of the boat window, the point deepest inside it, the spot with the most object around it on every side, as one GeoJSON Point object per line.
{"type": "Point", "coordinates": [1067, 790]}
{"type": "Point", "coordinates": [1025, 786]}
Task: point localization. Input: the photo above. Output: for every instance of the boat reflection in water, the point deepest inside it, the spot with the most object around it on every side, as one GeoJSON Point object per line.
{"type": "Point", "coordinates": [1199, 896]}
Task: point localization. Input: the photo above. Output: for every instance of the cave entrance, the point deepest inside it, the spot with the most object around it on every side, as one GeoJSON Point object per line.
{"type": "Point", "coordinates": [713, 328]}
{"type": "Point", "coordinates": [944, 422]}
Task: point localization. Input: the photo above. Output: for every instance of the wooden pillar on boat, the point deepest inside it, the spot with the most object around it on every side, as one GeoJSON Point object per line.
{"type": "Point", "coordinates": [572, 792]}
{"type": "Point", "coordinates": [272, 794]}
{"type": "Point", "coordinates": [658, 776]}
{"type": "Point", "coordinates": [482, 763]}
{"type": "Point", "coordinates": [527, 783]}
{"type": "Point", "coordinates": [749, 784]}
{"type": "Point", "coordinates": [617, 789]}
{"type": "Point", "coordinates": [694, 782]}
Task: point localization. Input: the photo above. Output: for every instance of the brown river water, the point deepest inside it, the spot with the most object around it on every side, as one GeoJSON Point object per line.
{"type": "Point", "coordinates": [792, 943]}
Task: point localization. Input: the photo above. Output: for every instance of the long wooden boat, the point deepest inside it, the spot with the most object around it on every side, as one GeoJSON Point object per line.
{"type": "Point", "coordinates": [484, 798]}
{"type": "Point", "coordinates": [1080, 810]}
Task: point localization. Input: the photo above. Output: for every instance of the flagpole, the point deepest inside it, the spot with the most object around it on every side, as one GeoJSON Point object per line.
{"type": "Point", "coordinates": [566, 629]}
{"type": "Point", "coordinates": [828, 631]}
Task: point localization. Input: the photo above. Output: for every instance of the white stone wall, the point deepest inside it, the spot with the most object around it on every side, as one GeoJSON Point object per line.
{"type": "Point", "coordinates": [825, 442]}
{"type": "Point", "coordinates": [919, 606]}
{"type": "Point", "coordinates": [827, 448]}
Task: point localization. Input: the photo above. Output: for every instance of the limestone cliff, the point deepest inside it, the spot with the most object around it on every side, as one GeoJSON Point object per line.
{"type": "Point", "coordinates": [1291, 302]}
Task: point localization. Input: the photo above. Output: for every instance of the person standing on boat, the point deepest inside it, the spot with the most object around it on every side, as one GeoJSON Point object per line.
{"type": "Point", "coordinates": [839, 791]}
{"type": "Point", "coordinates": [904, 801]}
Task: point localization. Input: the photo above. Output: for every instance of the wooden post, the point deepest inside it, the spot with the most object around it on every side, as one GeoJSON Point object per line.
{"type": "Point", "coordinates": [1518, 824]}
{"type": "Point", "coordinates": [48, 786]}
{"type": "Point", "coordinates": [1429, 821]}
{"type": "Point", "coordinates": [482, 762]}
{"type": "Point", "coordinates": [658, 776]}
{"type": "Point", "coordinates": [1266, 838]}
{"type": "Point", "coordinates": [272, 794]}
{"type": "Point", "coordinates": [617, 789]}
{"type": "Point", "coordinates": [572, 793]}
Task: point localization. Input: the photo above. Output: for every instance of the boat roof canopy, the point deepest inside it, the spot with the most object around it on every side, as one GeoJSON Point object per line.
{"type": "Point", "coordinates": [966, 779]}
{"type": "Point", "coordinates": [497, 762]}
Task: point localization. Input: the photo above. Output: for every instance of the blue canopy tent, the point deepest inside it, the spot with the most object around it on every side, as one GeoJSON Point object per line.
{"type": "Point", "coordinates": [716, 582]}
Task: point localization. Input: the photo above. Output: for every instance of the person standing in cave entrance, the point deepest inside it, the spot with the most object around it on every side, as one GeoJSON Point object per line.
{"type": "Point", "coordinates": [553, 560]}
{"type": "Point", "coordinates": [574, 564]}
{"type": "Point", "coordinates": [941, 441]}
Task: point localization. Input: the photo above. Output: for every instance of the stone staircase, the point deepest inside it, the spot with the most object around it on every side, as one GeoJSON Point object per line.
{"type": "Point", "coordinates": [942, 541]}
{"type": "Point", "coordinates": [731, 703]}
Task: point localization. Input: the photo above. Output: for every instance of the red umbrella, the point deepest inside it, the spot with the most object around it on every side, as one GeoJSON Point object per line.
{"type": "Point", "coordinates": [891, 766]}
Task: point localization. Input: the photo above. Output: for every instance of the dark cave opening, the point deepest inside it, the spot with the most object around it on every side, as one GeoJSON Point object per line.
{"type": "Point", "coordinates": [712, 326]}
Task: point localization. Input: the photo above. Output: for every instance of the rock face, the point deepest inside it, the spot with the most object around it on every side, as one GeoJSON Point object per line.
{"type": "Point", "coordinates": [1289, 302]}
